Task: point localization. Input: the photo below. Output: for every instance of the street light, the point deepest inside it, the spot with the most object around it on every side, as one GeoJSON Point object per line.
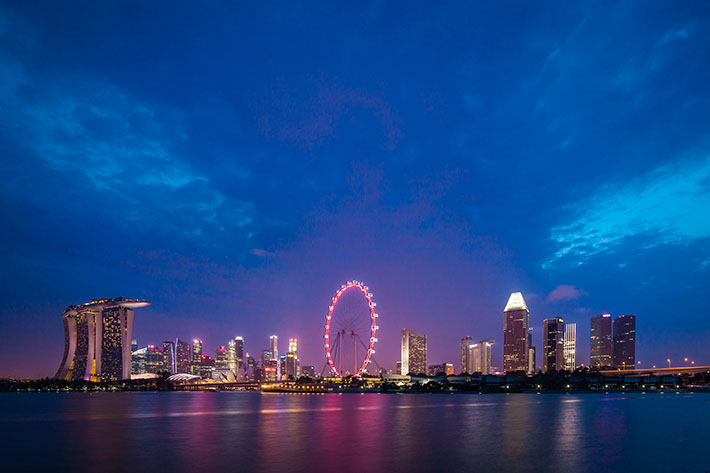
{"type": "Point", "coordinates": [669, 362]}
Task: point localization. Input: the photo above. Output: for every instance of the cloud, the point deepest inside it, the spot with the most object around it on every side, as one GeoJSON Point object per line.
{"type": "Point", "coordinates": [261, 253]}
{"type": "Point", "coordinates": [675, 34]}
{"type": "Point", "coordinates": [667, 206]}
{"type": "Point", "coordinates": [565, 292]}
{"type": "Point", "coordinates": [120, 150]}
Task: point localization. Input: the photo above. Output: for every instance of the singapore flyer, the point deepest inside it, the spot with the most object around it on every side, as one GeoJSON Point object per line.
{"type": "Point", "coordinates": [350, 330]}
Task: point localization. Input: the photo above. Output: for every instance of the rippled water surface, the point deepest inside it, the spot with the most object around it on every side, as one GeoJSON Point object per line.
{"type": "Point", "coordinates": [240, 431]}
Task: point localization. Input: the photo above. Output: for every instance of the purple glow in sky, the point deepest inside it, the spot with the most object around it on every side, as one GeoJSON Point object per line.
{"type": "Point", "coordinates": [235, 164]}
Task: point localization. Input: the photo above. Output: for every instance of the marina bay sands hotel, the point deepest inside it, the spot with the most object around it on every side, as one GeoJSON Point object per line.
{"type": "Point", "coordinates": [97, 340]}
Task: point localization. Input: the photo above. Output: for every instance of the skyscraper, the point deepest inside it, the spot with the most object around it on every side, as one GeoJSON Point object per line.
{"type": "Point", "coordinates": [274, 349]}
{"type": "Point", "coordinates": [97, 340]}
{"type": "Point", "coordinates": [516, 322]}
{"type": "Point", "coordinates": [601, 351]}
{"type": "Point", "coordinates": [293, 364]}
{"type": "Point", "coordinates": [232, 355]}
{"type": "Point", "coordinates": [553, 344]}
{"type": "Point", "coordinates": [182, 356]}
{"type": "Point", "coordinates": [413, 352]}
{"type": "Point", "coordinates": [266, 356]}
{"type": "Point", "coordinates": [220, 358]}
{"type": "Point", "coordinates": [481, 356]}
{"type": "Point", "coordinates": [465, 363]}
{"type": "Point", "coordinates": [138, 361]}
{"type": "Point", "coordinates": [569, 348]}
{"type": "Point", "coordinates": [625, 341]}
{"type": "Point", "coordinates": [169, 356]}
{"type": "Point", "coordinates": [154, 360]}
{"type": "Point", "coordinates": [239, 347]}
{"type": "Point", "coordinates": [196, 362]}
{"type": "Point", "coordinates": [250, 365]}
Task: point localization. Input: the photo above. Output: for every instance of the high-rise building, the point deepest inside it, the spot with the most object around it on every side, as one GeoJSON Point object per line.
{"type": "Point", "coordinates": [220, 358]}
{"type": "Point", "coordinates": [204, 367]}
{"type": "Point", "coordinates": [601, 351]}
{"type": "Point", "coordinates": [282, 367]}
{"type": "Point", "coordinates": [481, 356]}
{"type": "Point", "coordinates": [270, 370]}
{"type": "Point", "coordinates": [625, 341]}
{"type": "Point", "coordinates": [398, 367]}
{"type": "Point", "coordinates": [183, 358]}
{"type": "Point", "coordinates": [569, 347]}
{"type": "Point", "coordinates": [274, 349]}
{"type": "Point", "coordinates": [531, 353]}
{"type": "Point", "coordinates": [293, 364]}
{"type": "Point", "coordinates": [516, 322]}
{"type": "Point", "coordinates": [196, 362]}
{"type": "Point", "coordinates": [466, 365]}
{"type": "Point", "coordinates": [239, 348]}
{"type": "Point", "coordinates": [169, 356]}
{"type": "Point", "coordinates": [251, 366]}
{"type": "Point", "coordinates": [154, 360]}
{"type": "Point", "coordinates": [138, 361]}
{"type": "Point", "coordinates": [232, 356]}
{"type": "Point", "coordinates": [97, 340]}
{"type": "Point", "coordinates": [553, 344]}
{"type": "Point", "coordinates": [413, 352]}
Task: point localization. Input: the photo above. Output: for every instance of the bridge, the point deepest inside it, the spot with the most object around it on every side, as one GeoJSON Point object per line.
{"type": "Point", "coordinates": [656, 371]}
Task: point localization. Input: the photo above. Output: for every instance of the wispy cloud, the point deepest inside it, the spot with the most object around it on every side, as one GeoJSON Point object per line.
{"type": "Point", "coordinates": [668, 205]}
{"type": "Point", "coordinates": [566, 292]}
{"type": "Point", "coordinates": [117, 148]}
{"type": "Point", "coordinates": [677, 33]}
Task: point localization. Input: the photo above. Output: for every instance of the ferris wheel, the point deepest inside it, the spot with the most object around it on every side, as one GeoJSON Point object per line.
{"type": "Point", "coordinates": [351, 321]}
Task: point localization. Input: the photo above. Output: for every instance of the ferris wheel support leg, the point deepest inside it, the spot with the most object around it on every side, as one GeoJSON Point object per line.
{"type": "Point", "coordinates": [355, 350]}
{"type": "Point", "coordinates": [372, 358]}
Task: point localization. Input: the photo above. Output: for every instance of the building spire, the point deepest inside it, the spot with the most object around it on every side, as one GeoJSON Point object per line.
{"type": "Point", "coordinates": [516, 302]}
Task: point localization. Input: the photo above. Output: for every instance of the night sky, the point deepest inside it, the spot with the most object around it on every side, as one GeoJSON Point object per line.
{"type": "Point", "coordinates": [235, 164]}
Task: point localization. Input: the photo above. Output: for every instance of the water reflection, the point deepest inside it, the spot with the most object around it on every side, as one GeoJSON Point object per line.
{"type": "Point", "coordinates": [269, 432]}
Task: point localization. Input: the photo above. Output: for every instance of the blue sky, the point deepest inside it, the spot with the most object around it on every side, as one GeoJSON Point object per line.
{"type": "Point", "coordinates": [235, 164]}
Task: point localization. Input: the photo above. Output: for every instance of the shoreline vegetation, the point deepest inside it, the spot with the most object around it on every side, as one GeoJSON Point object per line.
{"type": "Point", "coordinates": [582, 380]}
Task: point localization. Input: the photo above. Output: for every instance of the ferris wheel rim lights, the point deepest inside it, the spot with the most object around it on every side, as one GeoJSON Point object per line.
{"type": "Point", "coordinates": [373, 325]}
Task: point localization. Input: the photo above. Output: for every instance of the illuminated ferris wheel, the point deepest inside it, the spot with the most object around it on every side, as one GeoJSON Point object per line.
{"type": "Point", "coordinates": [351, 321]}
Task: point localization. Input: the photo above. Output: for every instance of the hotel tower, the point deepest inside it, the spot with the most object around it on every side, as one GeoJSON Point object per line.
{"type": "Point", "coordinates": [97, 340]}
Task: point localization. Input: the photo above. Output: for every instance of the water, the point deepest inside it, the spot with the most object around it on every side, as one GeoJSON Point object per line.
{"type": "Point", "coordinates": [241, 431]}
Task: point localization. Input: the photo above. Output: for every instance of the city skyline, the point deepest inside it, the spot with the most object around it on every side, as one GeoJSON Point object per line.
{"type": "Point", "coordinates": [234, 164]}
{"type": "Point", "coordinates": [558, 347]}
